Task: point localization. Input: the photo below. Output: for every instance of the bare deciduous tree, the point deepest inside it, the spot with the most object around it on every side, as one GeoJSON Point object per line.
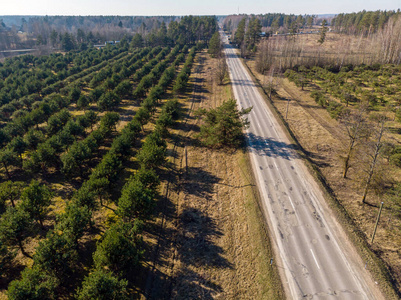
{"type": "Point", "coordinates": [355, 126]}
{"type": "Point", "coordinates": [264, 59]}
{"type": "Point", "coordinates": [221, 70]}
{"type": "Point", "coordinates": [389, 42]}
{"type": "Point", "coordinates": [375, 146]}
{"type": "Point", "coordinates": [270, 81]}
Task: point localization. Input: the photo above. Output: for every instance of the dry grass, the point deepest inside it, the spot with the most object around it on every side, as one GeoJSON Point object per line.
{"type": "Point", "coordinates": [213, 243]}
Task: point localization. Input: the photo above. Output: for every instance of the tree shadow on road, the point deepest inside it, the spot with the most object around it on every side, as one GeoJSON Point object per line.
{"type": "Point", "coordinates": [270, 147]}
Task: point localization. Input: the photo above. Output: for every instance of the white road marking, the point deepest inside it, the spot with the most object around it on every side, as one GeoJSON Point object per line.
{"type": "Point", "coordinates": [292, 204]}
{"type": "Point", "coordinates": [315, 259]}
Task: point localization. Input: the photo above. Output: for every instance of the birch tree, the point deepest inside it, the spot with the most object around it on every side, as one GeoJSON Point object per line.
{"type": "Point", "coordinates": [355, 126]}
{"type": "Point", "coordinates": [375, 145]}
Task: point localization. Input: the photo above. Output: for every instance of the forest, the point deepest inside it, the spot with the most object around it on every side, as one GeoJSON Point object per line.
{"type": "Point", "coordinates": [274, 22]}
{"type": "Point", "coordinates": [363, 22]}
{"type": "Point", "coordinates": [83, 144]}
{"type": "Point", "coordinates": [50, 33]}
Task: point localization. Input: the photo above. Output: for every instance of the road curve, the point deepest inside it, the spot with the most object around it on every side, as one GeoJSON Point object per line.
{"type": "Point", "coordinates": [314, 264]}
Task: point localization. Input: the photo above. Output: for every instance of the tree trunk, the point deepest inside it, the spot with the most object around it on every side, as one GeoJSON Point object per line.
{"type": "Point", "coordinates": [353, 136]}
{"type": "Point", "coordinates": [346, 162]}
{"type": "Point", "coordinates": [5, 167]}
{"type": "Point", "coordinates": [81, 172]}
{"type": "Point", "coordinates": [346, 166]}
{"type": "Point", "coordinates": [372, 166]}
{"type": "Point", "coordinates": [41, 223]}
{"type": "Point", "coordinates": [22, 249]}
{"type": "Point", "coordinates": [370, 175]}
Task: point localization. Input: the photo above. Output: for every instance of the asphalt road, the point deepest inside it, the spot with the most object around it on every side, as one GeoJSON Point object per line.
{"type": "Point", "coordinates": [312, 258]}
{"type": "Point", "coordinates": [18, 50]}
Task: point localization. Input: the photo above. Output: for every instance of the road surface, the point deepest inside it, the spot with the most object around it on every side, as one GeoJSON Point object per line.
{"type": "Point", "coordinates": [315, 263]}
{"type": "Point", "coordinates": [18, 50]}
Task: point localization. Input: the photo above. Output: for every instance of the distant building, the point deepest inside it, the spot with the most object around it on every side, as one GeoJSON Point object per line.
{"type": "Point", "coordinates": [105, 44]}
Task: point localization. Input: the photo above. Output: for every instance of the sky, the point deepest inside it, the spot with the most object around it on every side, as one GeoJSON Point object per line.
{"type": "Point", "coordinates": [189, 7]}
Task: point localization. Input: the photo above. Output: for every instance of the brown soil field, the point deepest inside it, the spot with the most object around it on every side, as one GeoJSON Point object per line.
{"type": "Point", "coordinates": [324, 140]}
{"type": "Point", "coordinates": [209, 239]}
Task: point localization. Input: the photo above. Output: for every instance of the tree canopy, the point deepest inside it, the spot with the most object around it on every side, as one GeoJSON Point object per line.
{"type": "Point", "coordinates": [36, 199]}
{"type": "Point", "coordinates": [223, 125]}
{"type": "Point", "coordinates": [103, 285]}
{"type": "Point", "coordinates": [34, 284]}
{"type": "Point", "coordinates": [120, 248]}
{"type": "Point", "coordinates": [215, 45]}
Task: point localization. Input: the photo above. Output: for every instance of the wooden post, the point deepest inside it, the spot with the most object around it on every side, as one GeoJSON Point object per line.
{"type": "Point", "coordinates": [286, 111]}
{"type": "Point", "coordinates": [377, 222]}
{"type": "Point", "coordinates": [186, 159]}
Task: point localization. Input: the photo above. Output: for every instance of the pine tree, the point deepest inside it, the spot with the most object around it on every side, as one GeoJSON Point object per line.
{"type": "Point", "coordinates": [36, 199]}
{"type": "Point", "coordinates": [15, 225]}
{"type": "Point", "coordinates": [103, 285]}
{"type": "Point", "coordinates": [120, 248]}
{"type": "Point", "coordinates": [239, 35]}
{"type": "Point", "coordinates": [34, 284]}
{"type": "Point", "coordinates": [215, 45]}
{"type": "Point", "coordinates": [323, 31]}
{"type": "Point", "coordinates": [223, 125]}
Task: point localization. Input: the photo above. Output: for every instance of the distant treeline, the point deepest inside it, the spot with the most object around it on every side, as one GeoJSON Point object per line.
{"type": "Point", "coordinates": [42, 24]}
{"type": "Point", "coordinates": [364, 21]}
{"type": "Point", "coordinates": [277, 20]}
{"type": "Point", "coordinates": [70, 32]}
{"type": "Point", "coordinates": [273, 22]}
{"type": "Point", "coordinates": [187, 30]}
{"type": "Point", "coordinates": [32, 31]}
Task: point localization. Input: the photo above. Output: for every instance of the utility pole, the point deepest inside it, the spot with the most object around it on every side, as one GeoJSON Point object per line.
{"type": "Point", "coordinates": [186, 159]}
{"type": "Point", "coordinates": [377, 222]}
{"type": "Point", "coordinates": [286, 111]}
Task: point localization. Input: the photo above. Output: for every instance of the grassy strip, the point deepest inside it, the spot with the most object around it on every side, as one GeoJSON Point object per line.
{"type": "Point", "coordinates": [377, 266]}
